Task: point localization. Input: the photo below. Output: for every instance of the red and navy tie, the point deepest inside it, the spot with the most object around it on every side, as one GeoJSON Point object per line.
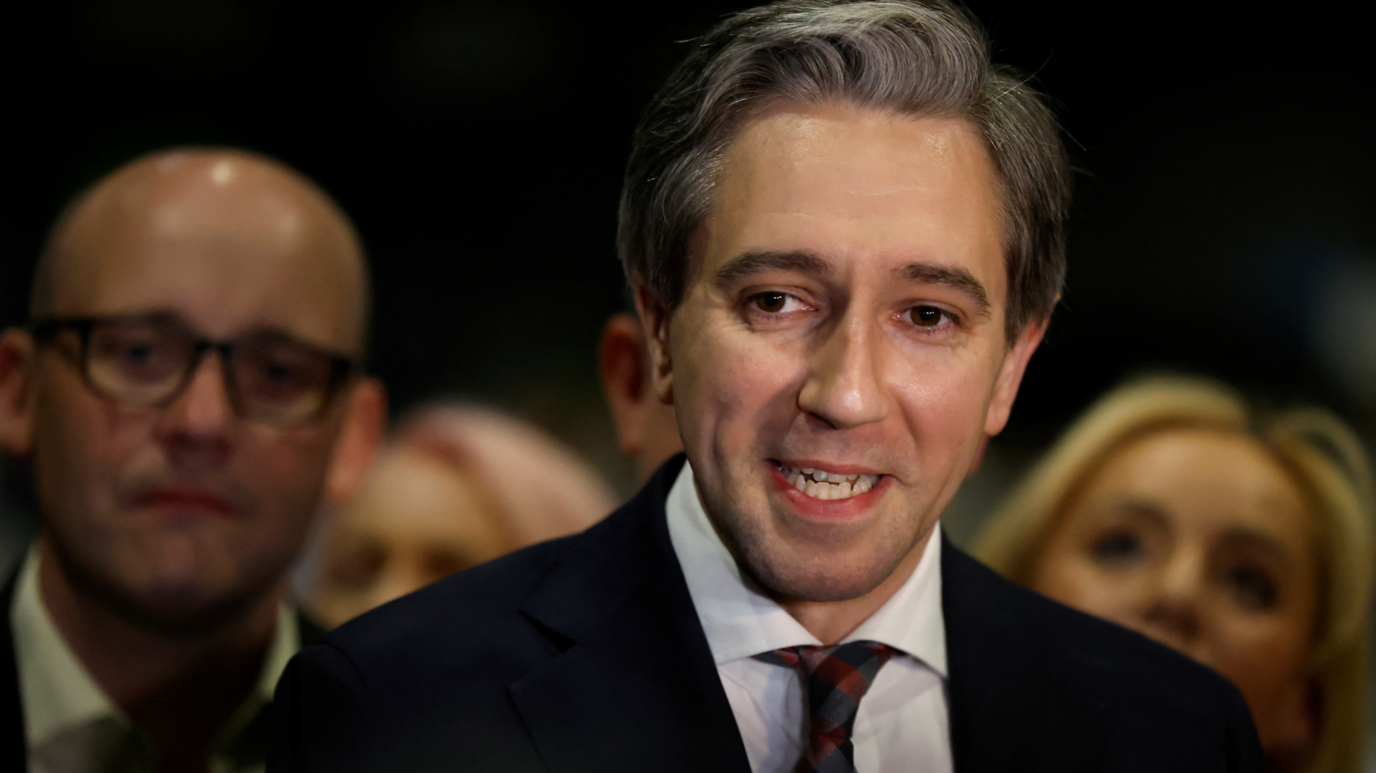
{"type": "Point", "coordinates": [837, 678]}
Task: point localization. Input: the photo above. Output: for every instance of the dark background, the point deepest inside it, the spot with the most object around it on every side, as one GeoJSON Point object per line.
{"type": "Point", "coordinates": [1223, 221]}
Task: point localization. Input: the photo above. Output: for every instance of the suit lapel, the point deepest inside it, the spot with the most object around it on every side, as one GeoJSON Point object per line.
{"type": "Point", "coordinates": [1006, 713]}
{"type": "Point", "coordinates": [634, 686]}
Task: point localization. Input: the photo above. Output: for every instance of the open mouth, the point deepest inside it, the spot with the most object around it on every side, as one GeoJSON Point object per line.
{"type": "Point", "coordinates": [822, 484]}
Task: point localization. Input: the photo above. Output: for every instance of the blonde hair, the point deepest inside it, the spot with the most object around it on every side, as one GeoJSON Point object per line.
{"type": "Point", "coordinates": [1317, 449]}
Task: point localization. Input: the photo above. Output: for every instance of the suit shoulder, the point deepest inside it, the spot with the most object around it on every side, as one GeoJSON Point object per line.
{"type": "Point", "coordinates": [476, 604]}
{"type": "Point", "coordinates": [1109, 664]}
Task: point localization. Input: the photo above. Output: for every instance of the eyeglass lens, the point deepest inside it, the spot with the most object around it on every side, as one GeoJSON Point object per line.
{"type": "Point", "coordinates": [271, 377]}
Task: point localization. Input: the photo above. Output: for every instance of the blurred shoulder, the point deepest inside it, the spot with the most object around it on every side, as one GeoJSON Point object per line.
{"type": "Point", "coordinates": [478, 608]}
{"type": "Point", "coordinates": [1011, 645]}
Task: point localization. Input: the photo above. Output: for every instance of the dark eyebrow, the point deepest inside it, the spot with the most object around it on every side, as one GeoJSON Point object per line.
{"type": "Point", "coordinates": [1140, 508]}
{"type": "Point", "coordinates": [956, 278]}
{"type": "Point", "coordinates": [751, 263]}
{"type": "Point", "coordinates": [1254, 540]}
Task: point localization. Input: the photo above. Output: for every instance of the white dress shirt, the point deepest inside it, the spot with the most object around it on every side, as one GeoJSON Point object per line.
{"type": "Point", "coordinates": [902, 723]}
{"type": "Point", "coordinates": [72, 726]}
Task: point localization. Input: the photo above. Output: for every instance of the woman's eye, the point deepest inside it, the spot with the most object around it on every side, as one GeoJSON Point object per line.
{"type": "Point", "coordinates": [1117, 547]}
{"type": "Point", "coordinates": [1253, 587]}
{"type": "Point", "coordinates": [926, 316]}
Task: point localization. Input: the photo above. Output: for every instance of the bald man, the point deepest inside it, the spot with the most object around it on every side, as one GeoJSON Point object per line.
{"type": "Point", "coordinates": [189, 390]}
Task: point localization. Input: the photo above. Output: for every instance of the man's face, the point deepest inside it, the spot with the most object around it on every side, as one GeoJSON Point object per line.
{"type": "Point", "coordinates": [175, 514]}
{"type": "Point", "coordinates": [844, 315]}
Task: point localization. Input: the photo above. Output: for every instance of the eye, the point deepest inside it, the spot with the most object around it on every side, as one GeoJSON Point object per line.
{"type": "Point", "coordinates": [928, 316]}
{"type": "Point", "coordinates": [770, 302]}
{"type": "Point", "coordinates": [1117, 547]}
{"type": "Point", "coordinates": [356, 567]}
{"type": "Point", "coordinates": [1253, 587]}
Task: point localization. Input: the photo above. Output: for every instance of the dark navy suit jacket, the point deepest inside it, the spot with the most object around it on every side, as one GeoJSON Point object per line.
{"type": "Point", "coordinates": [586, 654]}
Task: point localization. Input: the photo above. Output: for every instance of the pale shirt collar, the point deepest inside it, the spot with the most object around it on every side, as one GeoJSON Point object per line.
{"type": "Point", "coordinates": [62, 701]}
{"type": "Point", "coordinates": [741, 622]}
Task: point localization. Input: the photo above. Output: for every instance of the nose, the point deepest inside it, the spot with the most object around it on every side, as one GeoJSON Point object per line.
{"type": "Point", "coordinates": [843, 386]}
{"type": "Point", "coordinates": [1172, 611]}
{"type": "Point", "coordinates": [197, 422]}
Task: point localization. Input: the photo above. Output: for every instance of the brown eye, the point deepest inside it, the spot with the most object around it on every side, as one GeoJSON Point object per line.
{"type": "Point", "coordinates": [1253, 587]}
{"type": "Point", "coordinates": [1117, 548]}
{"type": "Point", "coordinates": [771, 302]}
{"type": "Point", "coordinates": [926, 316]}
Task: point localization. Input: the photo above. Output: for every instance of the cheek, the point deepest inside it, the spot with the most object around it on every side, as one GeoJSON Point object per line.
{"type": "Point", "coordinates": [83, 448]}
{"type": "Point", "coordinates": [944, 397]}
{"type": "Point", "coordinates": [1258, 652]}
{"type": "Point", "coordinates": [282, 478]}
{"type": "Point", "coordinates": [1072, 578]}
{"type": "Point", "coordinates": [727, 376]}
{"type": "Point", "coordinates": [285, 469]}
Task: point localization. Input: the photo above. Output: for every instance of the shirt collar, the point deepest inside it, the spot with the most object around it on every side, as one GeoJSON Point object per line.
{"type": "Point", "coordinates": [59, 694]}
{"type": "Point", "coordinates": [741, 621]}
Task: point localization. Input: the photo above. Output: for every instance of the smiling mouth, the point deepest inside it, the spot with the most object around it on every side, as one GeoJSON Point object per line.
{"type": "Point", "coordinates": [825, 485]}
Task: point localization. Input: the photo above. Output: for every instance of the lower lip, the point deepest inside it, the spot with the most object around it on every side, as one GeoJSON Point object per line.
{"type": "Point", "coordinates": [186, 506]}
{"type": "Point", "coordinates": [826, 510]}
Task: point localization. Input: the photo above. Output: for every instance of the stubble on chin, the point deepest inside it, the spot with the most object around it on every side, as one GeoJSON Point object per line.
{"type": "Point", "coordinates": [180, 607]}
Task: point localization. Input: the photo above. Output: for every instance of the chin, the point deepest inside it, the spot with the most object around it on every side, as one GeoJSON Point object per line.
{"type": "Point", "coordinates": [821, 578]}
{"type": "Point", "coordinates": [184, 608]}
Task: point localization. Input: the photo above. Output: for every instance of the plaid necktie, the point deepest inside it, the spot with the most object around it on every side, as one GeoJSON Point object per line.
{"type": "Point", "coordinates": [837, 678]}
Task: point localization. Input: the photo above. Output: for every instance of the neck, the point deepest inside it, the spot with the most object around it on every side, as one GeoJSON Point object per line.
{"type": "Point", "coordinates": [832, 621]}
{"type": "Point", "coordinates": [181, 690]}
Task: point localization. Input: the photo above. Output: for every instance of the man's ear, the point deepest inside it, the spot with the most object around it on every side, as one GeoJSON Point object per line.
{"type": "Point", "coordinates": [654, 320]}
{"type": "Point", "coordinates": [365, 418]}
{"type": "Point", "coordinates": [17, 353]}
{"type": "Point", "coordinates": [1010, 375]}
{"type": "Point", "coordinates": [624, 364]}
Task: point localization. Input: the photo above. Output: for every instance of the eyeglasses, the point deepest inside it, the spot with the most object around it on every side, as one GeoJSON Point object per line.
{"type": "Point", "coordinates": [148, 360]}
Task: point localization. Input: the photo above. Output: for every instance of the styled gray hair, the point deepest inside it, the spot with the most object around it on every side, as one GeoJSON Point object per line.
{"type": "Point", "coordinates": [922, 58]}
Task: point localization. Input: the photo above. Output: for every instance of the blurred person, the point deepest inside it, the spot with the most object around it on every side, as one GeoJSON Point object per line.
{"type": "Point", "coordinates": [646, 430]}
{"type": "Point", "coordinates": [844, 227]}
{"type": "Point", "coordinates": [188, 389]}
{"type": "Point", "coordinates": [1241, 538]}
{"type": "Point", "coordinates": [456, 486]}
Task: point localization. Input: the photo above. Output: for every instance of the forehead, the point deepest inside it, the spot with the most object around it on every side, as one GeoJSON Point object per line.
{"type": "Point", "coordinates": [228, 246]}
{"type": "Point", "coordinates": [860, 186]}
{"type": "Point", "coordinates": [1210, 480]}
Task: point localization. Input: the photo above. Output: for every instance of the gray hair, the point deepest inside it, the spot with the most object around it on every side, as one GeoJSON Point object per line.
{"type": "Point", "coordinates": [912, 57]}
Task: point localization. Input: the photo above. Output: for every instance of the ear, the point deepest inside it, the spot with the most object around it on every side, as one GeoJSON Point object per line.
{"type": "Point", "coordinates": [654, 320]}
{"type": "Point", "coordinates": [365, 417]}
{"type": "Point", "coordinates": [1010, 375]}
{"type": "Point", "coordinates": [17, 354]}
{"type": "Point", "coordinates": [624, 364]}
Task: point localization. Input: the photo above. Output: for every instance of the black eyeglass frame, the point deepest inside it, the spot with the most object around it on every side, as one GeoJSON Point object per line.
{"type": "Point", "coordinates": [342, 367]}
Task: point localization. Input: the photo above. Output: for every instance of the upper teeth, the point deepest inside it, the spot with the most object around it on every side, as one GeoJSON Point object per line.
{"type": "Point", "coordinates": [827, 485]}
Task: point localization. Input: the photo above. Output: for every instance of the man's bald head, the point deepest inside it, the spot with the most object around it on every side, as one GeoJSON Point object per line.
{"type": "Point", "coordinates": [209, 211]}
{"type": "Point", "coordinates": [182, 511]}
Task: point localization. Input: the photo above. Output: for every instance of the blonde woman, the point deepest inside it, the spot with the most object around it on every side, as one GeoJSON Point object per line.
{"type": "Point", "coordinates": [1243, 539]}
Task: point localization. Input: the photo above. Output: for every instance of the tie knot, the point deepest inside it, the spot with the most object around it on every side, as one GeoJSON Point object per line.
{"type": "Point", "coordinates": [836, 679]}
{"type": "Point", "coordinates": [864, 656]}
